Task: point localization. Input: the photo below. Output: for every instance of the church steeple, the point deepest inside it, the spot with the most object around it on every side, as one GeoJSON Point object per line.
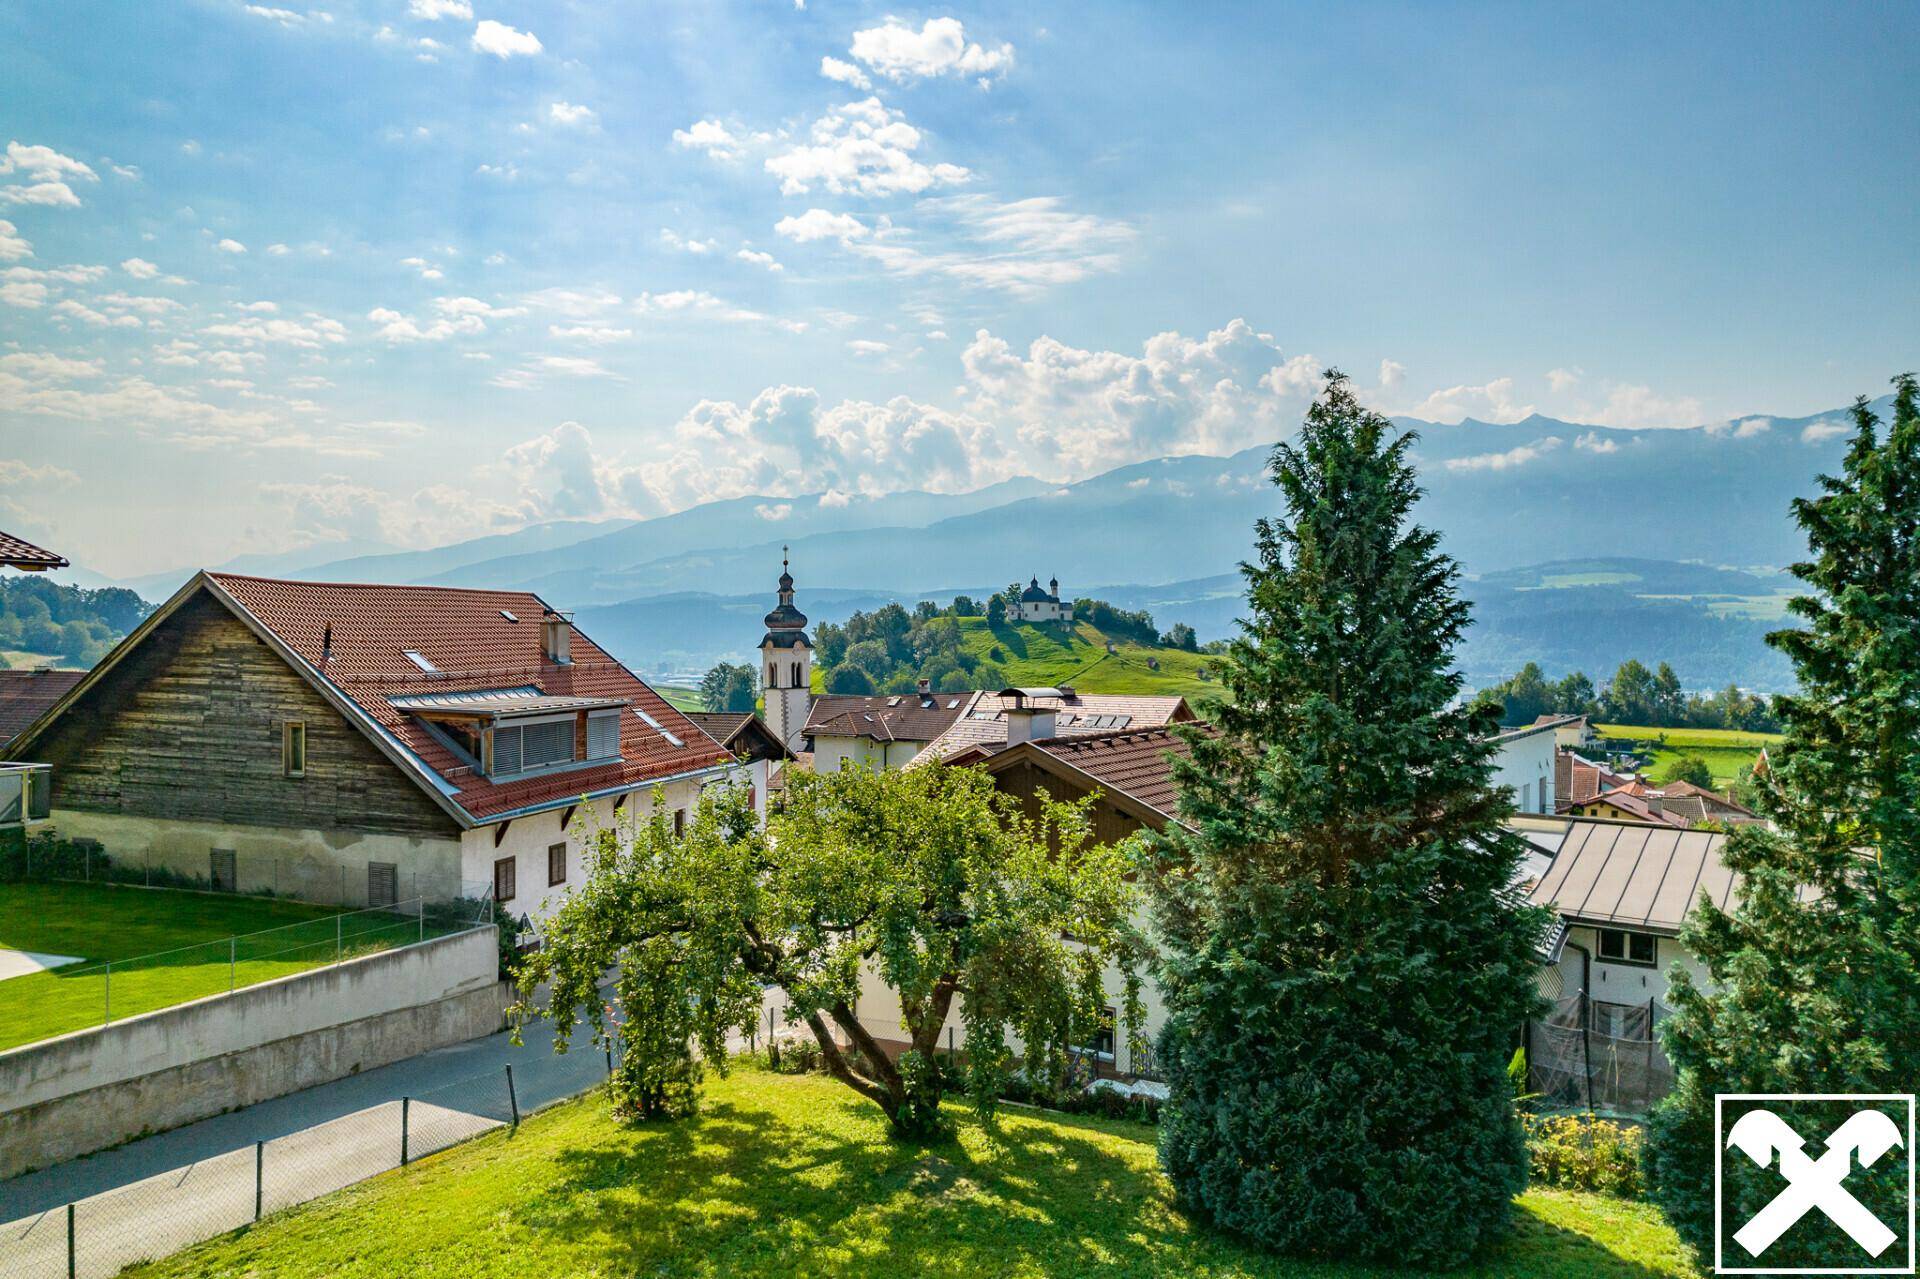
{"type": "Point", "coordinates": [786, 661]}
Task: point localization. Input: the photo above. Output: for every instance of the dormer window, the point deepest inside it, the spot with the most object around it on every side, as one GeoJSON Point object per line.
{"type": "Point", "coordinates": [517, 732]}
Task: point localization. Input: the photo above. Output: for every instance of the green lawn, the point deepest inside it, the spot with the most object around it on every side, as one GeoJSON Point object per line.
{"type": "Point", "coordinates": [796, 1176]}
{"type": "Point", "coordinates": [681, 699]}
{"type": "Point", "coordinates": [1036, 656]}
{"type": "Point", "coordinates": [105, 923]}
{"type": "Point", "coordinates": [1726, 751]}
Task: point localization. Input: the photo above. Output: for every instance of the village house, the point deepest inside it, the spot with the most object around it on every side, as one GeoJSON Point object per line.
{"type": "Point", "coordinates": [359, 744]}
{"type": "Point", "coordinates": [27, 695]}
{"type": "Point", "coordinates": [1525, 762]}
{"type": "Point", "coordinates": [1574, 732]}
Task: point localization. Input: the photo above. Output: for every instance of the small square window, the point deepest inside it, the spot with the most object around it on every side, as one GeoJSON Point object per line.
{"type": "Point", "coordinates": [556, 864]}
{"type": "Point", "coordinates": [504, 877]}
{"type": "Point", "coordinates": [1621, 947]}
{"type": "Point", "coordinates": [1103, 1041]}
{"type": "Point", "coordinates": [293, 748]}
{"type": "Point", "coordinates": [679, 822]}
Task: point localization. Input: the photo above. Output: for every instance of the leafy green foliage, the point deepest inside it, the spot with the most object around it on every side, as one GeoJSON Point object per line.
{"type": "Point", "coordinates": [929, 880]}
{"type": "Point", "coordinates": [1580, 1152]}
{"type": "Point", "coordinates": [1635, 695]}
{"type": "Point", "coordinates": [729, 688]}
{"type": "Point", "coordinates": [1691, 768]}
{"type": "Point", "coordinates": [68, 622]}
{"type": "Point", "coordinates": [1818, 991]}
{"type": "Point", "coordinates": [1345, 960]}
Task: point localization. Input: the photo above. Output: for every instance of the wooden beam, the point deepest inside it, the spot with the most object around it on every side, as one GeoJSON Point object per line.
{"type": "Point", "coordinates": [566, 818]}
{"type": "Point", "coordinates": [500, 831]}
{"type": "Point", "coordinates": [618, 800]}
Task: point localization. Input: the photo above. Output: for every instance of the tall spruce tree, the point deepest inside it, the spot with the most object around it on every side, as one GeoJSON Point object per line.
{"type": "Point", "coordinates": [1819, 991]}
{"type": "Point", "coordinates": [1345, 964]}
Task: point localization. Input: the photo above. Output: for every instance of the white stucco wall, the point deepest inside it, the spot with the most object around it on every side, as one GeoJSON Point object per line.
{"type": "Point", "coordinates": [831, 754]}
{"type": "Point", "coordinates": [1618, 983]}
{"type": "Point", "coordinates": [1526, 764]}
{"type": "Point", "coordinates": [325, 866]}
{"type": "Point", "coordinates": [527, 839]}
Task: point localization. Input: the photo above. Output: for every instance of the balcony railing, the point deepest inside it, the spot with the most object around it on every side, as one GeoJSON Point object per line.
{"type": "Point", "coordinates": [26, 794]}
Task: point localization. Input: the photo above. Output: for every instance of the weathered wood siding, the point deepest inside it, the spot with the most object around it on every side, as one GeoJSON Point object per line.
{"type": "Point", "coordinates": [1024, 781]}
{"type": "Point", "coordinates": [189, 727]}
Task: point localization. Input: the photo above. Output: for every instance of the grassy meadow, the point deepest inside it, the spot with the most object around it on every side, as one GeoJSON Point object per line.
{"type": "Point", "coordinates": [1726, 751]}
{"type": "Point", "coordinates": [184, 937]}
{"type": "Point", "coordinates": [794, 1175]}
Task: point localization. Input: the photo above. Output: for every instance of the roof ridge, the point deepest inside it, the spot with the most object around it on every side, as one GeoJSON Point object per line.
{"type": "Point", "coordinates": [223, 575]}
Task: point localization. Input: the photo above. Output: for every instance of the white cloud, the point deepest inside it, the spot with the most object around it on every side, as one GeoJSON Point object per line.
{"type": "Point", "coordinates": [845, 72]}
{"type": "Point", "coordinates": [140, 268]}
{"type": "Point", "coordinates": [503, 41]}
{"type": "Point", "coordinates": [1392, 373]}
{"type": "Point", "coordinates": [144, 305]}
{"type": "Point", "coordinates": [1518, 456]}
{"type": "Point", "coordinates": [48, 171]}
{"type": "Point", "coordinates": [570, 115]}
{"type": "Point", "coordinates": [862, 148]}
{"type": "Point", "coordinates": [1021, 246]}
{"type": "Point", "coordinates": [44, 366]}
{"type": "Point", "coordinates": [818, 224]}
{"type": "Point", "coordinates": [505, 172]}
{"type": "Point", "coordinates": [759, 259]}
{"type": "Point", "coordinates": [258, 308]}
{"type": "Point", "coordinates": [773, 512]}
{"type": "Point", "coordinates": [576, 304]}
{"type": "Point", "coordinates": [1562, 379]}
{"type": "Point", "coordinates": [710, 136]}
{"type": "Point", "coordinates": [1742, 429]}
{"type": "Point", "coordinates": [458, 317]}
{"type": "Point", "coordinates": [335, 508]}
{"type": "Point", "coordinates": [594, 334]}
{"type": "Point", "coordinates": [231, 246]}
{"type": "Point", "coordinates": [558, 475]}
{"type": "Point", "coordinates": [1493, 402]}
{"type": "Point", "coordinates": [310, 331]}
{"type": "Point", "coordinates": [23, 293]}
{"type": "Point", "coordinates": [866, 346]}
{"type": "Point", "coordinates": [571, 366]}
{"type": "Point", "coordinates": [288, 17]}
{"type": "Point", "coordinates": [1594, 442]}
{"type": "Point", "coordinates": [1641, 408]}
{"type": "Point", "coordinates": [278, 250]}
{"type": "Point", "coordinates": [1074, 410]}
{"type": "Point", "coordinates": [1823, 430]}
{"type": "Point", "coordinates": [673, 240]}
{"type": "Point", "coordinates": [13, 246]}
{"type": "Point", "coordinates": [50, 194]}
{"type": "Point", "coordinates": [431, 10]}
{"type": "Point", "coordinates": [698, 302]}
{"type": "Point", "coordinates": [898, 52]}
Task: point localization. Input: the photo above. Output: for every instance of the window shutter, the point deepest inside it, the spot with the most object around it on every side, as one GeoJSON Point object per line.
{"type": "Point", "coordinates": [544, 744]}
{"type": "Point", "coordinates": [603, 736]}
{"type": "Point", "coordinates": [506, 750]}
{"type": "Point", "coordinates": [383, 880]}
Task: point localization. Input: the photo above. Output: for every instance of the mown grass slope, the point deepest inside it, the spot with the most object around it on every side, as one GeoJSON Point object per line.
{"type": "Point", "coordinates": [788, 1176]}
{"type": "Point", "coordinates": [1726, 751]}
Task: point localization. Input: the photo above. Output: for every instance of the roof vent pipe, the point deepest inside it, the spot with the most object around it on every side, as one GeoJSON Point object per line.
{"type": "Point", "coordinates": [556, 635]}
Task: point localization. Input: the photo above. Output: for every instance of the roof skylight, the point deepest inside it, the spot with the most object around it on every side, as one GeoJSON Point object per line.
{"type": "Point", "coordinates": [420, 661]}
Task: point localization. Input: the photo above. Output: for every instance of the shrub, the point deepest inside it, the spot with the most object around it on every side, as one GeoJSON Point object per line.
{"type": "Point", "coordinates": [1581, 1152]}
{"type": "Point", "coordinates": [794, 1056]}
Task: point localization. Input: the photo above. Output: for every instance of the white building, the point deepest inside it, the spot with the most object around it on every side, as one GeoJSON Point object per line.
{"type": "Point", "coordinates": [786, 664]}
{"type": "Point", "coordinates": [1525, 762]}
{"type": "Point", "coordinates": [1037, 605]}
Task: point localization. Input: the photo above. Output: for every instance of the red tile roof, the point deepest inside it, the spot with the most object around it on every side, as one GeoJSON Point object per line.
{"type": "Point", "coordinates": [467, 636]}
{"type": "Point", "coordinates": [1135, 763]}
{"type": "Point", "coordinates": [905, 717]}
{"type": "Point", "coordinates": [1628, 800]}
{"type": "Point", "coordinates": [26, 695]}
{"type": "Point", "coordinates": [18, 552]}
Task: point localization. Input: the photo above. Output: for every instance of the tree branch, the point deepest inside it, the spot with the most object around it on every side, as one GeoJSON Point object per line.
{"type": "Point", "coordinates": [837, 1067]}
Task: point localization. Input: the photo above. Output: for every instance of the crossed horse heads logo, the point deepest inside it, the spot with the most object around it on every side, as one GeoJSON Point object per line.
{"type": "Point", "coordinates": [1813, 1183]}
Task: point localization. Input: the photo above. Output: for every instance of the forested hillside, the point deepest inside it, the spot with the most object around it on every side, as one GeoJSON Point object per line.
{"type": "Point", "coordinates": [45, 623]}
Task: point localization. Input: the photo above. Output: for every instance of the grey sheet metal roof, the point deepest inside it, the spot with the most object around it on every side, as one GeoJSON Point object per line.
{"type": "Point", "coordinates": [1635, 876]}
{"type": "Point", "coordinates": [503, 703]}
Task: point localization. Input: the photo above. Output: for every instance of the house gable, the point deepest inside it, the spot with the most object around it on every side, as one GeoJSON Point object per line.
{"type": "Point", "coordinates": [188, 724]}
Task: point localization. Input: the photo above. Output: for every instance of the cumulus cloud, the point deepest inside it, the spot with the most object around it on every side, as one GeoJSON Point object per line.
{"type": "Point", "coordinates": [570, 115]}
{"type": "Point", "coordinates": [845, 72]}
{"type": "Point", "coordinates": [898, 52]}
{"type": "Point", "coordinates": [503, 41]}
{"type": "Point", "coordinates": [13, 246]}
{"type": "Point", "coordinates": [698, 302]}
{"type": "Point", "coordinates": [558, 474]}
{"type": "Point", "coordinates": [682, 244]}
{"type": "Point", "coordinates": [594, 334]}
{"type": "Point", "coordinates": [140, 268]}
{"type": "Point", "coordinates": [1392, 374]}
{"type": "Point", "coordinates": [1073, 411]}
{"type": "Point", "coordinates": [1493, 402]}
{"type": "Point", "coordinates": [863, 148]}
{"type": "Point", "coordinates": [867, 346]}
{"type": "Point", "coordinates": [1518, 456]}
{"type": "Point", "coordinates": [310, 331]}
{"type": "Point", "coordinates": [1594, 442]}
{"type": "Point", "coordinates": [453, 317]}
{"type": "Point", "coordinates": [430, 10]}
{"type": "Point", "coordinates": [818, 224]}
{"type": "Point", "coordinates": [1741, 429]}
{"type": "Point", "coordinates": [26, 294]}
{"type": "Point", "coordinates": [1641, 408]}
{"type": "Point", "coordinates": [773, 512]}
{"type": "Point", "coordinates": [759, 259]}
{"type": "Point", "coordinates": [1825, 429]}
{"type": "Point", "coordinates": [1562, 379]}
{"type": "Point", "coordinates": [231, 246]}
{"type": "Point", "coordinates": [47, 173]}
{"type": "Point", "coordinates": [711, 136]}
{"type": "Point", "coordinates": [335, 508]}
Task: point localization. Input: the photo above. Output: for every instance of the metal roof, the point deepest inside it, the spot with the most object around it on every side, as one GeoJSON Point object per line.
{"type": "Point", "coordinates": [504, 703]}
{"type": "Point", "coordinates": [1635, 876]}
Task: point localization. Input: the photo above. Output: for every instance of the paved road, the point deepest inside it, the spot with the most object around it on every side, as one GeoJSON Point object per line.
{"type": "Point", "coordinates": [154, 1196]}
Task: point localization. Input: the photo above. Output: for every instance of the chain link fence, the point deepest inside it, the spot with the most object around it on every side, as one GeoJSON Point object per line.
{"type": "Point", "coordinates": [95, 1238]}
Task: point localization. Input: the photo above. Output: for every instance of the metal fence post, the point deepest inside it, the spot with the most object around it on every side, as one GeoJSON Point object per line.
{"type": "Point", "coordinates": [405, 1105]}
{"type": "Point", "coordinates": [71, 1264]}
{"type": "Point", "coordinates": [259, 1177]}
{"type": "Point", "coordinates": [513, 1098]}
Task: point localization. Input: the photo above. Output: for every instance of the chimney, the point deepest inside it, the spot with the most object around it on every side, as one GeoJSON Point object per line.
{"type": "Point", "coordinates": [1028, 723]}
{"type": "Point", "coordinates": [1656, 802]}
{"type": "Point", "coordinates": [1067, 694]}
{"type": "Point", "coordinates": [924, 686]}
{"type": "Point", "coordinates": [556, 636]}
{"type": "Point", "coordinates": [326, 644]}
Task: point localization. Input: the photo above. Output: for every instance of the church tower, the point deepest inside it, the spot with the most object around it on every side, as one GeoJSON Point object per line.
{"type": "Point", "coordinates": [786, 665]}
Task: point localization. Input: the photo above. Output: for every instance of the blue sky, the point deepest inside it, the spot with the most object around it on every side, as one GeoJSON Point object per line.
{"type": "Point", "coordinates": [409, 270]}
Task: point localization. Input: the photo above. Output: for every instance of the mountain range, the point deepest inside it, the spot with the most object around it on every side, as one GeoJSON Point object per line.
{"type": "Point", "coordinates": [1582, 544]}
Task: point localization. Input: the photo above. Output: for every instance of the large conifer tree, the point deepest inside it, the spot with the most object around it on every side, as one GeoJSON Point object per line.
{"type": "Point", "coordinates": [1818, 968]}
{"type": "Point", "coordinates": [1345, 965]}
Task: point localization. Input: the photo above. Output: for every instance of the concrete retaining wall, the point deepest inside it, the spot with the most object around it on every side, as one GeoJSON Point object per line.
{"type": "Point", "coordinates": [79, 1093]}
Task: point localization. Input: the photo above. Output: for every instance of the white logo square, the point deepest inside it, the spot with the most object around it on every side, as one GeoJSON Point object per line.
{"type": "Point", "coordinates": [1745, 1127]}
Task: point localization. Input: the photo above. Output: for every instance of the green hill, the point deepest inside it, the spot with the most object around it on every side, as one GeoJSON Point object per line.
{"type": "Point", "coordinates": [1028, 655]}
